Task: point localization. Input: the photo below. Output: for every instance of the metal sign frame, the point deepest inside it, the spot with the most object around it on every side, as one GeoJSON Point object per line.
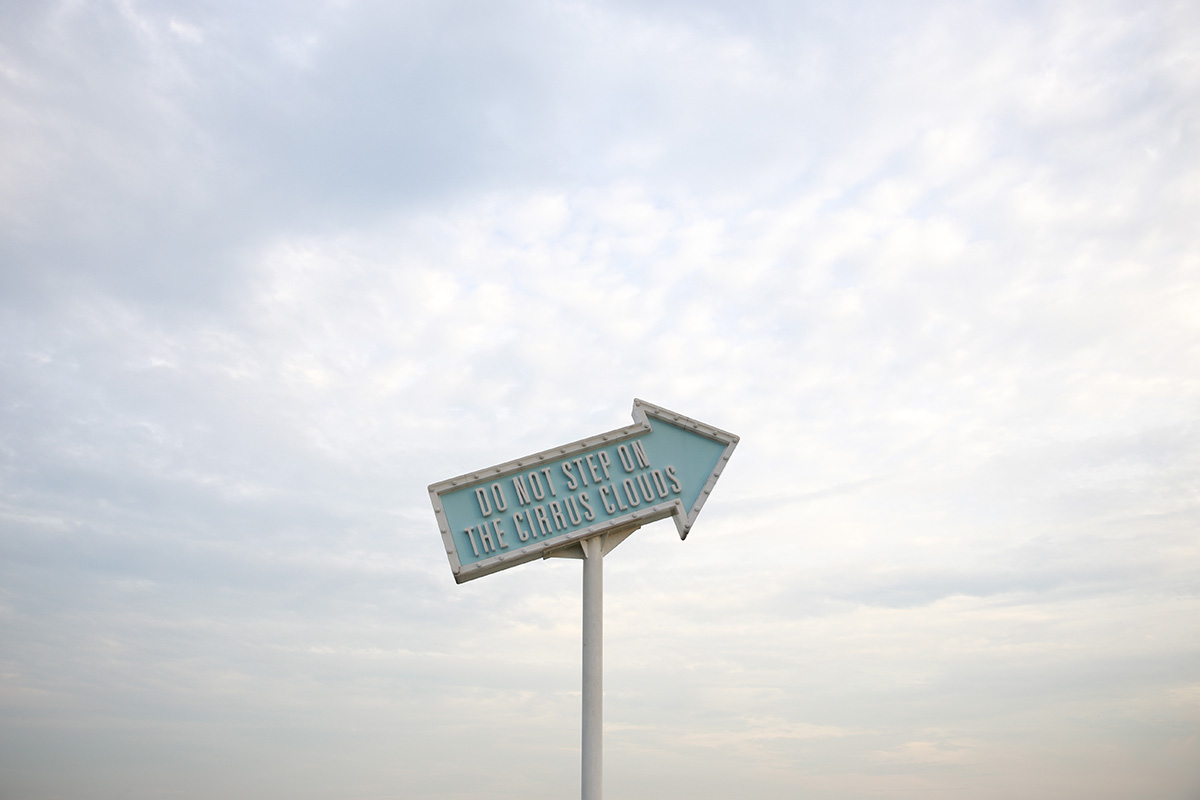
{"type": "Point", "coordinates": [481, 484]}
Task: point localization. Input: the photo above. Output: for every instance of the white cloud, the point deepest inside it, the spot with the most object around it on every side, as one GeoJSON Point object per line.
{"type": "Point", "coordinates": [268, 273]}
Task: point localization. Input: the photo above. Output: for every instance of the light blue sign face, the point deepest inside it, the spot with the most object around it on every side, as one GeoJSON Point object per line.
{"type": "Point", "coordinates": [502, 516]}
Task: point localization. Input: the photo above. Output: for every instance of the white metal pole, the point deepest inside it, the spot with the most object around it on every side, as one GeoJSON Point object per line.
{"type": "Point", "coordinates": [593, 667]}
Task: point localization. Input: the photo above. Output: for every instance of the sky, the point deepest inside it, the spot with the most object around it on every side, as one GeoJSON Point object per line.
{"type": "Point", "coordinates": [269, 270]}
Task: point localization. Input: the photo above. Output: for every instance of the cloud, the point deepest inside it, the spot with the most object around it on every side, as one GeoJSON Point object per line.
{"type": "Point", "coordinates": [268, 272]}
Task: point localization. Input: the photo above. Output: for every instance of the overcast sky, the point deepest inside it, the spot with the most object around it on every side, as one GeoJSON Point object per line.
{"type": "Point", "coordinates": [268, 270]}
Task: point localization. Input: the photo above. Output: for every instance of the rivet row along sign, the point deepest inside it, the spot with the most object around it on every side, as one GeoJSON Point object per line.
{"type": "Point", "coordinates": [664, 465]}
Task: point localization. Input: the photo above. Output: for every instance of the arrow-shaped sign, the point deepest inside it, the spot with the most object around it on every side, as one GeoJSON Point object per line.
{"type": "Point", "coordinates": [664, 465]}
